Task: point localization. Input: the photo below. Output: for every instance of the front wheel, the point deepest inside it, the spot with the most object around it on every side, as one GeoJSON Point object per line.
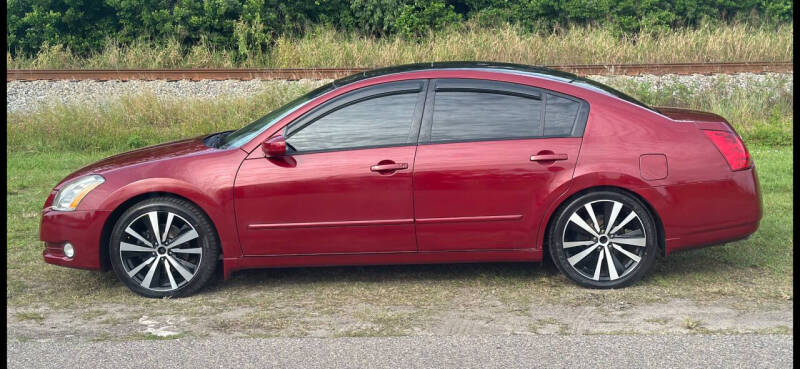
{"type": "Point", "coordinates": [604, 239]}
{"type": "Point", "coordinates": [164, 247]}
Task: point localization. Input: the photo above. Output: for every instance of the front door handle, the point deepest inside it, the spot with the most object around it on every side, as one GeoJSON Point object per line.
{"type": "Point", "coordinates": [388, 167]}
{"type": "Point", "coordinates": [549, 157]}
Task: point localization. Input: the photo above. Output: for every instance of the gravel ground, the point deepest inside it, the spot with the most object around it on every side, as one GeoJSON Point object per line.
{"type": "Point", "coordinates": [26, 96]}
{"type": "Point", "coordinates": [656, 351]}
{"type": "Point", "coordinates": [704, 82]}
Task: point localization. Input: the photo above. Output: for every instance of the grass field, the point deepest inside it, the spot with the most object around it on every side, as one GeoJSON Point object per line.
{"type": "Point", "coordinates": [45, 146]}
{"type": "Point", "coordinates": [387, 300]}
{"type": "Point", "coordinates": [324, 47]}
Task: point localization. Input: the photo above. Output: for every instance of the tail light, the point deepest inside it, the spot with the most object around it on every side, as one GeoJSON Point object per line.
{"type": "Point", "coordinates": [732, 148]}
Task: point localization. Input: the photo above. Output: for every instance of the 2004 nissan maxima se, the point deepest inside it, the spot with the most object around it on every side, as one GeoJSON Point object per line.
{"type": "Point", "coordinates": [425, 163]}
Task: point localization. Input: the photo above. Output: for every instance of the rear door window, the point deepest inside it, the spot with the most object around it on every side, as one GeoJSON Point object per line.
{"type": "Point", "coordinates": [466, 115]}
{"type": "Point", "coordinates": [472, 110]}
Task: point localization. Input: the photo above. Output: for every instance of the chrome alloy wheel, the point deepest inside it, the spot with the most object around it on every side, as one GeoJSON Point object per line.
{"type": "Point", "coordinates": [604, 240]}
{"type": "Point", "coordinates": [160, 251]}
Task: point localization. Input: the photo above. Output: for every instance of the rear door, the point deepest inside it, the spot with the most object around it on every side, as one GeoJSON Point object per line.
{"type": "Point", "coordinates": [491, 156]}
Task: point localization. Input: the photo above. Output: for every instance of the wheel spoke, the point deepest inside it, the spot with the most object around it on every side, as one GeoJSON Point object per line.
{"type": "Point", "coordinates": [597, 268]}
{"type": "Point", "coordinates": [612, 268]}
{"type": "Point", "coordinates": [185, 273]}
{"type": "Point", "coordinates": [580, 256]}
{"type": "Point", "coordinates": [581, 223]}
{"type": "Point", "coordinates": [631, 234]}
{"type": "Point", "coordinates": [623, 223]}
{"type": "Point", "coordinates": [577, 243]}
{"type": "Point", "coordinates": [169, 275]}
{"type": "Point", "coordinates": [124, 246]}
{"type": "Point", "coordinates": [139, 237]}
{"type": "Point", "coordinates": [641, 242]}
{"type": "Point", "coordinates": [186, 264]}
{"type": "Point", "coordinates": [148, 279]}
{"type": "Point", "coordinates": [627, 253]}
{"type": "Point", "coordinates": [185, 237]}
{"type": "Point", "coordinates": [614, 213]}
{"type": "Point", "coordinates": [189, 251]}
{"type": "Point", "coordinates": [154, 223]}
{"type": "Point", "coordinates": [166, 227]}
{"type": "Point", "coordinates": [589, 210]}
{"type": "Point", "coordinates": [140, 266]}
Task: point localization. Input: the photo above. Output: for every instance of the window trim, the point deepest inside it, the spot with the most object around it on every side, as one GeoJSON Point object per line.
{"type": "Point", "coordinates": [418, 86]}
{"type": "Point", "coordinates": [503, 88]}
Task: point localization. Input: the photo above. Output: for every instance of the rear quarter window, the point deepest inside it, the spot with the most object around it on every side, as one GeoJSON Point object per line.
{"type": "Point", "coordinates": [560, 115]}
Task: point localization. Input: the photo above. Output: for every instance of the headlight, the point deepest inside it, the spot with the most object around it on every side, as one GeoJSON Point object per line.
{"type": "Point", "coordinates": [69, 196]}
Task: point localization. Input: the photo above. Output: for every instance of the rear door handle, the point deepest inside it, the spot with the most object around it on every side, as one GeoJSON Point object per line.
{"type": "Point", "coordinates": [388, 167]}
{"type": "Point", "coordinates": [549, 157]}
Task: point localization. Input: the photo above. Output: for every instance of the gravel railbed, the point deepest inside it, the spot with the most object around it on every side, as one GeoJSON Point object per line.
{"type": "Point", "coordinates": [28, 96]}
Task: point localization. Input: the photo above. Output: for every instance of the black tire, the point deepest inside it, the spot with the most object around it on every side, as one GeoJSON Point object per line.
{"type": "Point", "coordinates": [184, 217]}
{"type": "Point", "coordinates": [579, 272]}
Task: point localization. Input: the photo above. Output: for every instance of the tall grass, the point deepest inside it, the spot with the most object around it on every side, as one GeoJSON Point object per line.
{"type": "Point", "coordinates": [134, 121]}
{"type": "Point", "coordinates": [325, 47]}
{"type": "Point", "coordinates": [761, 111]}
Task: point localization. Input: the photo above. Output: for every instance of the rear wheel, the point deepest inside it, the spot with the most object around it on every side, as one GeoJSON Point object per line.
{"type": "Point", "coordinates": [604, 239]}
{"type": "Point", "coordinates": [164, 247]}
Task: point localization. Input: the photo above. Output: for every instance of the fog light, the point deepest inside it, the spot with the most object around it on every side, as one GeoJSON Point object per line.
{"type": "Point", "coordinates": [68, 250]}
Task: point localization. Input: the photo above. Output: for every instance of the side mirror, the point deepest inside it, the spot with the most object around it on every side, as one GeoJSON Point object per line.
{"type": "Point", "coordinates": [274, 146]}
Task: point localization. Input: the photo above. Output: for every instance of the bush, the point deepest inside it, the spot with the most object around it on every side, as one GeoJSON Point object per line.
{"type": "Point", "coordinates": [252, 25]}
{"type": "Point", "coordinates": [423, 16]}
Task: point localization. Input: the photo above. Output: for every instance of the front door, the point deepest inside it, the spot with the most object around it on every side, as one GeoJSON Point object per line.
{"type": "Point", "coordinates": [492, 156]}
{"type": "Point", "coordinates": [345, 185]}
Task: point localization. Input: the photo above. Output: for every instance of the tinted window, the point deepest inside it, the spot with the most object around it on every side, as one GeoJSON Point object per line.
{"type": "Point", "coordinates": [559, 117]}
{"type": "Point", "coordinates": [378, 121]}
{"type": "Point", "coordinates": [462, 115]}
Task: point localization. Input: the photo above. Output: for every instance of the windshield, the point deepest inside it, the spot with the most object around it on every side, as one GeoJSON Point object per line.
{"type": "Point", "coordinates": [248, 132]}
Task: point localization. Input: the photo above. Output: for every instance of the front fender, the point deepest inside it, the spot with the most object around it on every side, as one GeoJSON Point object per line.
{"type": "Point", "coordinates": [216, 203]}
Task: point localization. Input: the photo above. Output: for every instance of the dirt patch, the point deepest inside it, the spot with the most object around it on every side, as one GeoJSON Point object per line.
{"type": "Point", "coordinates": [467, 317]}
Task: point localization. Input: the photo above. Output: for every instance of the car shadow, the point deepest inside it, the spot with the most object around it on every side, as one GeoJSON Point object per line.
{"type": "Point", "coordinates": [386, 273]}
{"type": "Point", "coordinates": [679, 265]}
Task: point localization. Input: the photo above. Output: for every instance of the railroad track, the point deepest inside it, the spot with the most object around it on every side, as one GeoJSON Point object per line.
{"type": "Point", "coordinates": [329, 73]}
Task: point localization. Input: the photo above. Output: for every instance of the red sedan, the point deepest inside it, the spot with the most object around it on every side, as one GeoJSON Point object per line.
{"type": "Point", "coordinates": [425, 163]}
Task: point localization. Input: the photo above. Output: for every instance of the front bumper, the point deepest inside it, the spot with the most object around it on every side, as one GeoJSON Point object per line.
{"type": "Point", "coordinates": [82, 229]}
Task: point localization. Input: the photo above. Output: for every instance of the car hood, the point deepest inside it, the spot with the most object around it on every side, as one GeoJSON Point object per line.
{"type": "Point", "coordinates": [150, 154]}
{"type": "Point", "coordinates": [690, 115]}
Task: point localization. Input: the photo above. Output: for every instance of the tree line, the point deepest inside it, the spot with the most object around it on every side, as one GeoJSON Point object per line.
{"type": "Point", "coordinates": [84, 26]}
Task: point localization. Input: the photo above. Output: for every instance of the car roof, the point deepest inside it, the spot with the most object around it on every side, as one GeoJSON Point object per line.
{"type": "Point", "coordinates": [528, 70]}
{"type": "Point", "coordinates": [540, 72]}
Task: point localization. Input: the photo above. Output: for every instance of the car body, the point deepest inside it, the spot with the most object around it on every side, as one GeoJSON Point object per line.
{"type": "Point", "coordinates": [462, 162]}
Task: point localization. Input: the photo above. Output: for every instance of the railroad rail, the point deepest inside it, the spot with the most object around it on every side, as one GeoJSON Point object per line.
{"type": "Point", "coordinates": [330, 73]}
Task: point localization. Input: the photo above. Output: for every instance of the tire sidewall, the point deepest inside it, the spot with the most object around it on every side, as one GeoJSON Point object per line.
{"type": "Point", "coordinates": [207, 240]}
{"type": "Point", "coordinates": [562, 218]}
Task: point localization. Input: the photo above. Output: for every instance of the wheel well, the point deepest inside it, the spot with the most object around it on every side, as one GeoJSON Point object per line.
{"type": "Point", "coordinates": [659, 226]}
{"type": "Point", "coordinates": [105, 235]}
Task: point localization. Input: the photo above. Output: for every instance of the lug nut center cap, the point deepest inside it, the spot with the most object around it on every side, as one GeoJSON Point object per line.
{"type": "Point", "coordinates": [162, 250]}
{"type": "Point", "coordinates": [603, 240]}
